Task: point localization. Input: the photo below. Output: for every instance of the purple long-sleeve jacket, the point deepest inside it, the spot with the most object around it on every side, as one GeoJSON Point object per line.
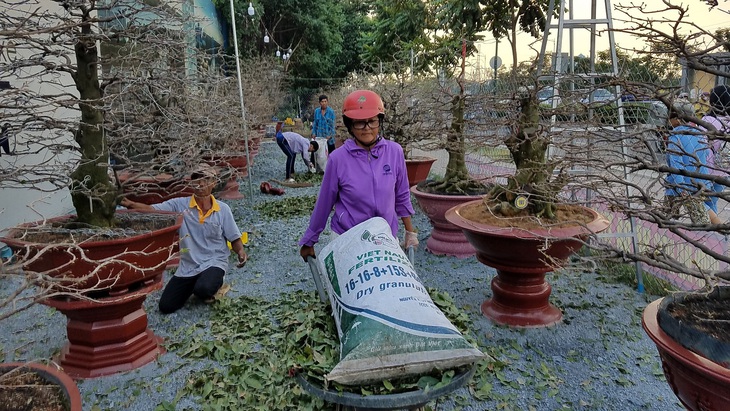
{"type": "Point", "coordinates": [721, 123]}
{"type": "Point", "coordinates": [361, 185]}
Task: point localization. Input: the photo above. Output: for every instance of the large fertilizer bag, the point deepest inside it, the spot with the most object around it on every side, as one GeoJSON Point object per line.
{"type": "Point", "coordinates": [387, 323]}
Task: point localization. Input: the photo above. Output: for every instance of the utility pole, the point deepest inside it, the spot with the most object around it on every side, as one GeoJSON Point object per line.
{"type": "Point", "coordinates": [496, 54]}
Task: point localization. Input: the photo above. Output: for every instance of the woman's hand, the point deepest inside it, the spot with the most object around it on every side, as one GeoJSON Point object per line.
{"type": "Point", "coordinates": [306, 251]}
{"type": "Point", "coordinates": [411, 239]}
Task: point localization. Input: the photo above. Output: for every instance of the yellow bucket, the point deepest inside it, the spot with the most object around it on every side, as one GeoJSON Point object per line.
{"type": "Point", "coordinates": [244, 239]}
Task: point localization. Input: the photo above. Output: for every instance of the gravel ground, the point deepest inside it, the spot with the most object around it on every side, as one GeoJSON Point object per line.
{"type": "Point", "coordinates": [598, 359]}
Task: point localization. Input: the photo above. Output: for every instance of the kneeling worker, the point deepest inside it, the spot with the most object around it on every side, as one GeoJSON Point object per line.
{"type": "Point", "coordinates": [207, 225]}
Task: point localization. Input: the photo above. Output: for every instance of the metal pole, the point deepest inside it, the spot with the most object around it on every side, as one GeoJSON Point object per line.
{"type": "Point", "coordinates": [411, 64]}
{"type": "Point", "coordinates": [496, 55]}
{"type": "Point", "coordinates": [243, 109]}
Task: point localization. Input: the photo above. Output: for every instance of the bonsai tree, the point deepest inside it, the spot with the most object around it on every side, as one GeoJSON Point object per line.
{"type": "Point", "coordinates": [93, 85]}
{"type": "Point", "coordinates": [454, 27]}
{"type": "Point", "coordinates": [407, 100]}
{"type": "Point", "coordinates": [88, 80]}
{"type": "Point", "coordinates": [666, 197]}
{"type": "Point", "coordinates": [642, 189]}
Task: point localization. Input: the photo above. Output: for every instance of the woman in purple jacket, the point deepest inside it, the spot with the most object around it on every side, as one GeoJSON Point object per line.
{"type": "Point", "coordinates": [365, 178]}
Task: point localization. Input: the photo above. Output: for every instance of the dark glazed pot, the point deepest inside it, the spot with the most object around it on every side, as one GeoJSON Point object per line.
{"type": "Point", "coordinates": [685, 333]}
{"type": "Point", "coordinates": [522, 258]}
{"type": "Point", "coordinates": [700, 384]}
{"type": "Point", "coordinates": [54, 376]}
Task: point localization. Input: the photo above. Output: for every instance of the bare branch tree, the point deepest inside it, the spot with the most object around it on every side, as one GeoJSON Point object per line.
{"type": "Point", "coordinates": [93, 84]}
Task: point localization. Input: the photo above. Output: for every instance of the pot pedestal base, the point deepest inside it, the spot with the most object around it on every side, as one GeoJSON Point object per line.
{"type": "Point", "coordinates": [108, 335]}
{"type": "Point", "coordinates": [448, 242]}
{"type": "Point", "coordinates": [521, 300]}
{"type": "Point", "coordinates": [445, 238]}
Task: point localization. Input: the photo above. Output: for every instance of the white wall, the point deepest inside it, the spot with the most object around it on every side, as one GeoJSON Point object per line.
{"type": "Point", "coordinates": [40, 150]}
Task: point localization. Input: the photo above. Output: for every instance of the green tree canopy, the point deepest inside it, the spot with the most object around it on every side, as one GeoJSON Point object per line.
{"type": "Point", "coordinates": [399, 27]}
{"type": "Point", "coordinates": [324, 36]}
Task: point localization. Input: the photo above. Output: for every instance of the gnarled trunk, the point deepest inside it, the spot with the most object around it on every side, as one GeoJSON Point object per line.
{"type": "Point", "coordinates": [92, 192]}
{"type": "Point", "coordinates": [456, 180]}
{"type": "Point", "coordinates": [528, 146]}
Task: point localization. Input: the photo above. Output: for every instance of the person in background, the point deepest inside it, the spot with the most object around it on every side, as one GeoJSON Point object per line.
{"type": "Point", "coordinates": [364, 178]}
{"type": "Point", "coordinates": [702, 104]}
{"type": "Point", "coordinates": [291, 144]}
{"type": "Point", "coordinates": [207, 226]}
{"type": "Point", "coordinates": [718, 159]}
{"type": "Point", "coordinates": [687, 150]}
{"type": "Point", "coordinates": [323, 124]}
{"type": "Point", "coordinates": [5, 140]}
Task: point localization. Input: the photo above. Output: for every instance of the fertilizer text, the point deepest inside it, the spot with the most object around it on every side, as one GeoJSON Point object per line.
{"type": "Point", "coordinates": [375, 257]}
{"type": "Point", "coordinates": [391, 270]}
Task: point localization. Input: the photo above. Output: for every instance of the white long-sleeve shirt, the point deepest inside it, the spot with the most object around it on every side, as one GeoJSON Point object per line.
{"type": "Point", "coordinates": [297, 143]}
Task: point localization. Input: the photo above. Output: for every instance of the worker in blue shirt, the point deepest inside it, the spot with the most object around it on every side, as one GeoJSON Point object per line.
{"type": "Point", "coordinates": [324, 123]}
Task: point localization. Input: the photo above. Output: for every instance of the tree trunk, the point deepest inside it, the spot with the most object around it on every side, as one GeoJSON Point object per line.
{"type": "Point", "coordinates": [528, 147]}
{"type": "Point", "coordinates": [456, 167]}
{"type": "Point", "coordinates": [456, 180]}
{"type": "Point", "coordinates": [92, 192]}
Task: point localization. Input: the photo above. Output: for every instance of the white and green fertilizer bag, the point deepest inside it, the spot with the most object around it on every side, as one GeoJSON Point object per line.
{"type": "Point", "coordinates": [387, 323]}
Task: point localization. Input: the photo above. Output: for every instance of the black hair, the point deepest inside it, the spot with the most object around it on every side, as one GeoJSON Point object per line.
{"type": "Point", "coordinates": [323, 97]}
{"type": "Point", "coordinates": [314, 144]}
{"type": "Point", "coordinates": [720, 100]}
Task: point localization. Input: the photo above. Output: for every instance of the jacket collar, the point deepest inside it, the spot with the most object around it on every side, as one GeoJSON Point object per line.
{"type": "Point", "coordinates": [356, 151]}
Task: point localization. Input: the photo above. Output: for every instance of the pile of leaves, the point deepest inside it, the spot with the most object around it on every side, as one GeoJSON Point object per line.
{"type": "Point", "coordinates": [260, 345]}
{"type": "Point", "coordinates": [312, 178]}
{"type": "Point", "coordinates": [289, 207]}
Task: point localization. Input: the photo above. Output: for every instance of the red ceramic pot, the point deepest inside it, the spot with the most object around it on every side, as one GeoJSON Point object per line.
{"type": "Point", "coordinates": [111, 265]}
{"type": "Point", "coordinates": [418, 169]}
{"type": "Point", "coordinates": [237, 162]}
{"type": "Point", "coordinates": [153, 189]}
{"type": "Point", "coordinates": [522, 258]}
{"type": "Point", "coordinates": [445, 238]}
{"type": "Point", "coordinates": [107, 333]}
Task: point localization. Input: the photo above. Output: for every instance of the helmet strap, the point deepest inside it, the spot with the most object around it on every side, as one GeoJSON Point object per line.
{"type": "Point", "coordinates": [372, 143]}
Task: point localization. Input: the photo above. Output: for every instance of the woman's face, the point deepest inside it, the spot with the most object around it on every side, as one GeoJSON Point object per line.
{"type": "Point", "coordinates": [366, 131]}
